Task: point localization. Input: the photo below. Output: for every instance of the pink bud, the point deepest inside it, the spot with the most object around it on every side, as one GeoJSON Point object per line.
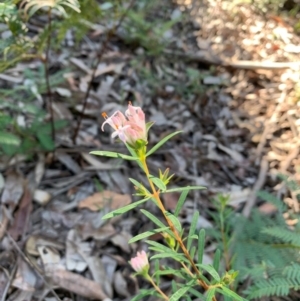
{"type": "Point", "coordinates": [140, 263]}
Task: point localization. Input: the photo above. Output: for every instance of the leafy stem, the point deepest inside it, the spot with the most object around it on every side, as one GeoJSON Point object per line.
{"type": "Point", "coordinates": [156, 196]}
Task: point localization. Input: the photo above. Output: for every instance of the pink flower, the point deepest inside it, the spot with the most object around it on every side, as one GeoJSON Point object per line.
{"type": "Point", "coordinates": [140, 263]}
{"type": "Point", "coordinates": [131, 129]}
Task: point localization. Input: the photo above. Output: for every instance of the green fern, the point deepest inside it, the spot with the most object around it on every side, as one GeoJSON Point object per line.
{"type": "Point", "coordinates": [266, 251]}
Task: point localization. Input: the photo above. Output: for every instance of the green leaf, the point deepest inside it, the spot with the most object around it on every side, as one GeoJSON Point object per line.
{"type": "Point", "coordinates": [149, 125]}
{"type": "Point", "coordinates": [177, 295]}
{"type": "Point", "coordinates": [201, 245]}
{"type": "Point", "coordinates": [146, 234]}
{"type": "Point", "coordinates": [9, 139]}
{"type": "Point", "coordinates": [196, 293]}
{"type": "Point", "coordinates": [161, 142]}
{"type": "Point", "coordinates": [139, 185]}
{"type": "Point", "coordinates": [153, 218]}
{"type": "Point", "coordinates": [158, 183]}
{"type": "Point", "coordinates": [211, 270]}
{"type": "Point", "coordinates": [175, 256]}
{"type": "Point", "coordinates": [134, 155]}
{"type": "Point", "coordinates": [180, 203]}
{"type": "Point", "coordinates": [217, 258]}
{"type": "Point", "coordinates": [112, 155]}
{"type": "Point", "coordinates": [227, 292]}
{"type": "Point", "coordinates": [168, 271]}
{"type": "Point", "coordinates": [45, 140]}
{"type": "Point", "coordinates": [184, 189]}
{"type": "Point", "coordinates": [160, 248]}
{"type": "Point", "coordinates": [193, 251]}
{"type": "Point", "coordinates": [124, 209]}
{"type": "Point", "coordinates": [192, 228]}
{"type": "Point", "coordinates": [210, 293]}
{"type": "Point", "coordinates": [142, 293]}
{"type": "Point", "coordinates": [174, 221]}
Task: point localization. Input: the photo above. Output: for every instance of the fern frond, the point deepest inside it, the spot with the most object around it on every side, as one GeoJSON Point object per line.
{"type": "Point", "coordinates": [292, 272]}
{"type": "Point", "coordinates": [271, 287]}
{"type": "Point", "coordinates": [285, 235]}
{"type": "Point", "coordinates": [32, 6]}
{"type": "Point", "coordinates": [270, 198]}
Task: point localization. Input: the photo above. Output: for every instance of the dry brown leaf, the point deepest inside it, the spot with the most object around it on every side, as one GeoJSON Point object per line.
{"type": "Point", "coordinates": [121, 240]}
{"type": "Point", "coordinates": [267, 208]}
{"type": "Point", "coordinates": [19, 226]}
{"type": "Point", "coordinates": [68, 280]}
{"type": "Point", "coordinates": [4, 282]}
{"type": "Point", "coordinates": [87, 230]}
{"type": "Point", "coordinates": [74, 248]}
{"type": "Point", "coordinates": [13, 190]}
{"type": "Point", "coordinates": [107, 198]}
{"type": "Point", "coordinates": [25, 278]}
{"type": "Point", "coordinates": [120, 285]}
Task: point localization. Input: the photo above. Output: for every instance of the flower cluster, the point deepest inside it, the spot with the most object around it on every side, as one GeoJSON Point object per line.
{"type": "Point", "coordinates": [131, 128]}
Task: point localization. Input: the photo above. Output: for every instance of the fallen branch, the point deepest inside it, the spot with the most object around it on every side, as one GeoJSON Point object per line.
{"type": "Point", "coordinates": [209, 58]}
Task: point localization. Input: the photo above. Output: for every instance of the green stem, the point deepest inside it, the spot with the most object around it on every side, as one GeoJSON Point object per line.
{"type": "Point", "coordinates": [148, 277]}
{"type": "Point", "coordinates": [224, 241]}
{"type": "Point", "coordinates": [169, 222]}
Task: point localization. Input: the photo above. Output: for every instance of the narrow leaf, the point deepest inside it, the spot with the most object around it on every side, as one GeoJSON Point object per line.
{"type": "Point", "coordinates": [146, 234]}
{"type": "Point", "coordinates": [174, 221]}
{"type": "Point", "coordinates": [210, 294]}
{"type": "Point", "coordinates": [193, 251]}
{"type": "Point", "coordinates": [177, 257]}
{"type": "Point", "coordinates": [179, 293]}
{"type": "Point", "coordinates": [216, 261]}
{"type": "Point", "coordinates": [192, 228]}
{"type": "Point", "coordinates": [112, 155]}
{"type": "Point", "coordinates": [201, 244]}
{"type": "Point", "coordinates": [142, 294]}
{"type": "Point", "coordinates": [139, 185]}
{"type": "Point", "coordinates": [211, 270]}
{"type": "Point", "coordinates": [196, 293]}
{"type": "Point", "coordinates": [158, 183]}
{"type": "Point", "coordinates": [124, 209]}
{"type": "Point", "coordinates": [181, 202]}
{"type": "Point", "coordinates": [161, 142]}
{"type": "Point", "coordinates": [184, 188]}
{"type": "Point", "coordinates": [160, 248]}
{"type": "Point", "coordinates": [153, 218]}
{"type": "Point", "coordinates": [227, 292]}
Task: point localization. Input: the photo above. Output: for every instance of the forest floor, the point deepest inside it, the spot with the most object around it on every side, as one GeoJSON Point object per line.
{"type": "Point", "coordinates": [227, 76]}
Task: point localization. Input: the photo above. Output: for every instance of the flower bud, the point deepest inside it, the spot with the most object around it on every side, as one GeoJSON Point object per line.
{"type": "Point", "coordinates": [140, 263]}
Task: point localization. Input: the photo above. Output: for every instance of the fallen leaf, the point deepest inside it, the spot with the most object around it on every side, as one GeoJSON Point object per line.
{"type": "Point", "coordinates": [107, 198]}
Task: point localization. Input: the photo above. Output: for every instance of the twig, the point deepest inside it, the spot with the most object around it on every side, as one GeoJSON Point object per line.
{"type": "Point", "coordinates": [257, 186]}
{"type": "Point", "coordinates": [268, 127]}
{"type": "Point", "coordinates": [31, 265]}
{"type": "Point", "coordinates": [10, 279]}
{"type": "Point", "coordinates": [209, 58]}
{"type": "Point", "coordinates": [46, 66]}
{"type": "Point", "coordinates": [99, 57]}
